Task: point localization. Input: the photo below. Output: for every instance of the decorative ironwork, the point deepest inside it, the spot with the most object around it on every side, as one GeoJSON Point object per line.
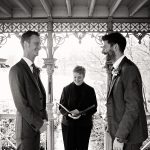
{"type": "Point", "coordinates": [79, 35]}
{"type": "Point", "coordinates": [131, 27]}
{"type": "Point", "coordinates": [139, 36]}
{"type": "Point", "coordinates": [95, 25]}
{"type": "Point", "coordinates": [3, 38]}
{"type": "Point", "coordinates": [58, 39]}
{"type": "Point", "coordinates": [139, 30]}
{"type": "Point", "coordinates": [98, 38]}
{"type": "Point", "coordinates": [80, 27]}
{"type": "Point", "coordinates": [41, 26]}
{"type": "Point", "coordinates": [22, 27]}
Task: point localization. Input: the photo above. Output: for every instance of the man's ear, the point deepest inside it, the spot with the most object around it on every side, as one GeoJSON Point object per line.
{"type": "Point", "coordinates": [25, 45]}
{"type": "Point", "coordinates": [116, 47]}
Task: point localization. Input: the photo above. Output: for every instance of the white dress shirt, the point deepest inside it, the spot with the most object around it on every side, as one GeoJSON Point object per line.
{"type": "Point", "coordinates": [117, 63]}
{"type": "Point", "coordinates": [29, 63]}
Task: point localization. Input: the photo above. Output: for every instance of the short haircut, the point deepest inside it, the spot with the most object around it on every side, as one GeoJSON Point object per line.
{"type": "Point", "coordinates": [80, 70]}
{"type": "Point", "coordinates": [26, 36]}
{"type": "Point", "coordinates": [115, 38]}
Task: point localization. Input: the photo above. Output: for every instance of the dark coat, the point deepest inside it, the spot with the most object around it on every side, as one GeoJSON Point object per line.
{"type": "Point", "coordinates": [125, 109]}
{"type": "Point", "coordinates": [78, 97]}
{"type": "Point", "coordinates": [29, 99]}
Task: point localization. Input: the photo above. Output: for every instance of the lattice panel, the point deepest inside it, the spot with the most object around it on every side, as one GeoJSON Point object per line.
{"type": "Point", "coordinates": [18, 27]}
{"type": "Point", "coordinates": [131, 27]}
{"type": "Point", "coordinates": [22, 27]}
{"type": "Point", "coordinates": [80, 27]}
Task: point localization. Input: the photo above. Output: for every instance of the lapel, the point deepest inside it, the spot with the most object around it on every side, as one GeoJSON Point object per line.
{"type": "Point", "coordinates": [111, 85]}
{"type": "Point", "coordinates": [116, 77]}
{"type": "Point", "coordinates": [26, 67]}
{"type": "Point", "coordinates": [42, 87]}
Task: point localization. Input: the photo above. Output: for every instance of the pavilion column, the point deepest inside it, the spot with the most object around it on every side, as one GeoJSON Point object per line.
{"type": "Point", "coordinates": [108, 65]}
{"type": "Point", "coordinates": [49, 62]}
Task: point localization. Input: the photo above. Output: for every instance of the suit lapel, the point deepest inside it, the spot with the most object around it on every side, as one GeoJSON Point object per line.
{"type": "Point", "coordinates": [115, 78]}
{"type": "Point", "coordinates": [29, 72]}
{"type": "Point", "coordinates": [111, 86]}
{"type": "Point", "coordinates": [42, 89]}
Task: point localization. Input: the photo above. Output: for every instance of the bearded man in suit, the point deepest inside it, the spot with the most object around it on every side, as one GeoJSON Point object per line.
{"type": "Point", "coordinates": [125, 110]}
{"type": "Point", "coordinates": [29, 95]}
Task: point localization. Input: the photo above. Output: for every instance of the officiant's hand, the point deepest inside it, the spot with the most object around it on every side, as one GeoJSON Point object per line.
{"type": "Point", "coordinates": [74, 117]}
{"type": "Point", "coordinates": [74, 114]}
{"type": "Point", "coordinates": [117, 145]}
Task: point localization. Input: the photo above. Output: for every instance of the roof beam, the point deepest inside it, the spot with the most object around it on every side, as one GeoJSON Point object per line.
{"type": "Point", "coordinates": [23, 5]}
{"type": "Point", "coordinates": [92, 6]}
{"type": "Point", "coordinates": [137, 6]}
{"type": "Point", "coordinates": [148, 11]}
{"type": "Point", "coordinates": [46, 6]}
{"type": "Point", "coordinates": [114, 7]}
{"type": "Point", "coordinates": [5, 9]}
{"type": "Point", "coordinates": [68, 3]}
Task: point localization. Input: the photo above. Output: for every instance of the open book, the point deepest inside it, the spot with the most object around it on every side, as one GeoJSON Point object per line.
{"type": "Point", "coordinates": [80, 112]}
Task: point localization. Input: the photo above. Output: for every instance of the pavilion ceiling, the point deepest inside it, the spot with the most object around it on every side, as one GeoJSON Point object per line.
{"type": "Point", "coordinates": [30, 9]}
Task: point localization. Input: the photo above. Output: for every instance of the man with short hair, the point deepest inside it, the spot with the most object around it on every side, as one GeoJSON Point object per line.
{"type": "Point", "coordinates": [125, 108]}
{"type": "Point", "coordinates": [29, 95]}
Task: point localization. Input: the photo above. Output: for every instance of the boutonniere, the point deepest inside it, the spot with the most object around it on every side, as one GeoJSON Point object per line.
{"type": "Point", "coordinates": [115, 72]}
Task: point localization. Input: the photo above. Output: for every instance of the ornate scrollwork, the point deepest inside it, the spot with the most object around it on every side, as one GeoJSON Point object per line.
{"type": "Point", "coordinates": [15, 27]}
{"type": "Point", "coordinates": [74, 27]}
{"type": "Point", "coordinates": [139, 36]}
{"type": "Point", "coordinates": [3, 38]}
{"type": "Point", "coordinates": [98, 38]}
{"type": "Point", "coordinates": [79, 35]}
{"type": "Point", "coordinates": [58, 39]}
{"type": "Point", "coordinates": [139, 30]}
{"type": "Point", "coordinates": [80, 27]}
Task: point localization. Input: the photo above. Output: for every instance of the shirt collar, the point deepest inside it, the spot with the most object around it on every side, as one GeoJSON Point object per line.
{"type": "Point", "coordinates": [117, 63]}
{"type": "Point", "coordinates": [28, 61]}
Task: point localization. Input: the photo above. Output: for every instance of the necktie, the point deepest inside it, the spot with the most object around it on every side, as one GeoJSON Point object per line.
{"type": "Point", "coordinates": [110, 76]}
{"type": "Point", "coordinates": [35, 72]}
{"type": "Point", "coordinates": [112, 68]}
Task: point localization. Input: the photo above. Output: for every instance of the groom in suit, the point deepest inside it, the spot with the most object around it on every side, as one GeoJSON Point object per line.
{"type": "Point", "coordinates": [29, 95]}
{"type": "Point", "coordinates": [125, 110]}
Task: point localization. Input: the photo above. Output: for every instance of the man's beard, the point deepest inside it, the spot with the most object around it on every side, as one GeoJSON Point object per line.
{"type": "Point", "coordinates": [111, 54]}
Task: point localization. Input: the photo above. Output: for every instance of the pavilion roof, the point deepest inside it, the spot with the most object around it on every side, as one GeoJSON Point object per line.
{"type": "Point", "coordinates": [16, 9]}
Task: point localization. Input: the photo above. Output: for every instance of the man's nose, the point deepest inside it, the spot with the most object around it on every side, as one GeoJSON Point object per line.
{"type": "Point", "coordinates": [77, 80]}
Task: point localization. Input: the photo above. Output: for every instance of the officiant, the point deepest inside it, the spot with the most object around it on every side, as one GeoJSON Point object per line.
{"type": "Point", "coordinates": [76, 97]}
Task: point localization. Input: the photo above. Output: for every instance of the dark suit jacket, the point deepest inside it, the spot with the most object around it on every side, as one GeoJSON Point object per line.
{"type": "Point", "coordinates": [125, 110]}
{"type": "Point", "coordinates": [30, 100]}
{"type": "Point", "coordinates": [75, 97]}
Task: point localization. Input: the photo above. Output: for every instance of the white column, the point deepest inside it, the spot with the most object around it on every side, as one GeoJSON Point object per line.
{"type": "Point", "coordinates": [49, 62]}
